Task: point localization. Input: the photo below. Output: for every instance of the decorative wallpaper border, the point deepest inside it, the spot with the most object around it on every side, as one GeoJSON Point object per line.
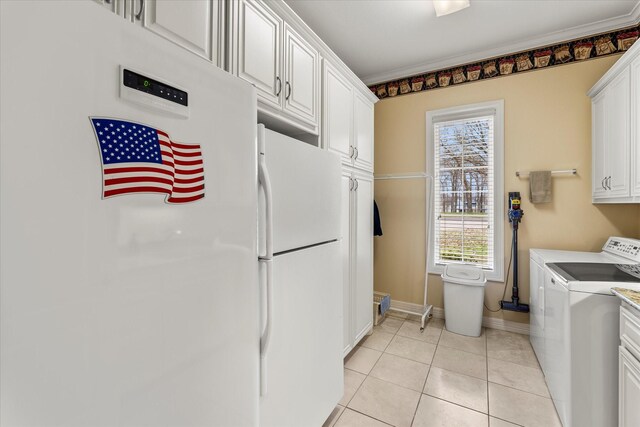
{"type": "Point", "coordinates": [549, 56]}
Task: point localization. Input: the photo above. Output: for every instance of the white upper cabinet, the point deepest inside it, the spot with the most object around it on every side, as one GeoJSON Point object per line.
{"type": "Point", "coordinates": [195, 25]}
{"type": "Point", "coordinates": [301, 76]}
{"type": "Point", "coordinates": [258, 56]}
{"type": "Point", "coordinates": [615, 141]}
{"type": "Point", "coordinates": [617, 130]}
{"type": "Point", "coordinates": [189, 24]}
{"type": "Point", "coordinates": [337, 113]}
{"type": "Point", "coordinates": [348, 120]}
{"type": "Point", "coordinates": [282, 65]}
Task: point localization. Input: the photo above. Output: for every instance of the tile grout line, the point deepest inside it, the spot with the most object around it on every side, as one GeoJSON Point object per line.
{"type": "Point", "coordinates": [422, 392]}
{"type": "Point", "coordinates": [458, 404]}
{"type": "Point", "coordinates": [366, 415]}
{"type": "Point", "coordinates": [438, 344]}
{"type": "Point", "coordinates": [520, 390]}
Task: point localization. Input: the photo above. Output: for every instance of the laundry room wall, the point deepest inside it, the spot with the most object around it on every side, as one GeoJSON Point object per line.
{"type": "Point", "coordinates": [547, 126]}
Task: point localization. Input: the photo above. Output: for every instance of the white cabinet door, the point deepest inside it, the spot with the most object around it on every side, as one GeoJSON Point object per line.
{"type": "Point", "coordinates": [635, 127]}
{"type": "Point", "coordinates": [337, 113]}
{"type": "Point", "coordinates": [628, 389]}
{"type": "Point", "coordinates": [617, 135]}
{"type": "Point", "coordinates": [363, 251]}
{"type": "Point", "coordinates": [363, 131]}
{"type": "Point", "coordinates": [347, 208]}
{"type": "Point", "coordinates": [301, 88]}
{"type": "Point", "coordinates": [536, 318]}
{"type": "Point", "coordinates": [258, 50]}
{"type": "Point", "coordinates": [194, 24]}
{"type": "Point", "coordinates": [598, 132]}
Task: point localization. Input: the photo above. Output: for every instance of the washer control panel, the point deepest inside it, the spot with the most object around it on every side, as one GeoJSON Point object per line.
{"type": "Point", "coordinates": [623, 247]}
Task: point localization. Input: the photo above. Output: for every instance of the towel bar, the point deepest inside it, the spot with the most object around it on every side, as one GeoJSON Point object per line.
{"type": "Point", "coordinates": [558, 172]}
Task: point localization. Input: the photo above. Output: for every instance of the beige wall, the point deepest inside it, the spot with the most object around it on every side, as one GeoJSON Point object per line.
{"type": "Point", "coordinates": [547, 126]}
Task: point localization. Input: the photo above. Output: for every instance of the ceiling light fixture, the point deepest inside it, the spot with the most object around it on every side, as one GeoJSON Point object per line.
{"type": "Point", "coordinates": [445, 7]}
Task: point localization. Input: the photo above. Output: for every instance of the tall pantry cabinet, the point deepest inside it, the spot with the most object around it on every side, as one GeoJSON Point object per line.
{"type": "Point", "coordinates": [348, 131]}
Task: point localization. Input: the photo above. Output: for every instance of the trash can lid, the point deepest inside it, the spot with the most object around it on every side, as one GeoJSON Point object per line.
{"type": "Point", "coordinates": [464, 274]}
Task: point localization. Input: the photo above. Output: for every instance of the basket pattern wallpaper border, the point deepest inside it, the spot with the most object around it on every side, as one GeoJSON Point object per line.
{"type": "Point", "coordinates": [535, 59]}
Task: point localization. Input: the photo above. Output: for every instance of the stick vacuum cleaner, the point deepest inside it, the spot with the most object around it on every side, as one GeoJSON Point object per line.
{"type": "Point", "coordinates": [515, 216]}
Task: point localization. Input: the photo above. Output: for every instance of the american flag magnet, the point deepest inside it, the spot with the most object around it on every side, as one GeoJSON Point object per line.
{"type": "Point", "coordinates": [137, 158]}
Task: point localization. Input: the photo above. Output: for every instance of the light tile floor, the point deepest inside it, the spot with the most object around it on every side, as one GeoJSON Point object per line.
{"type": "Point", "coordinates": [402, 377]}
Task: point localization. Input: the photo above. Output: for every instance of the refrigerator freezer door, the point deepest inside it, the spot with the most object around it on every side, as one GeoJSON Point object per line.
{"type": "Point", "coordinates": [305, 182]}
{"type": "Point", "coordinates": [304, 370]}
{"type": "Point", "coordinates": [126, 311]}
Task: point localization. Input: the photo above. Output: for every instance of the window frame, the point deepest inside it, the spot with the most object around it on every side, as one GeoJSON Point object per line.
{"type": "Point", "coordinates": [461, 112]}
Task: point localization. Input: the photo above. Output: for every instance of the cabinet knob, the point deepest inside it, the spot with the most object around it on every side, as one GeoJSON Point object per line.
{"type": "Point", "coordinates": [350, 184]}
{"type": "Point", "coordinates": [356, 150]}
{"type": "Point", "coordinates": [356, 189]}
{"type": "Point", "coordinates": [351, 151]}
{"type": "Point", "coordinates": [609, 182]}
{"type": "Point", "coordinates": [602, 183]}
{"type": "Point", "coordinates": [288, 92]}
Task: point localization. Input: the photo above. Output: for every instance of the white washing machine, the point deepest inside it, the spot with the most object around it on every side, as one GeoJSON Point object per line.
{"type": "Point", "coordinates": [575, 327]}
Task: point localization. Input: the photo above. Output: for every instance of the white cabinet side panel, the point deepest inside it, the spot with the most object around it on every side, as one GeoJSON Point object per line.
{"type": "Point", "coordinates": [598, 144]}
{"type": "Point", "coordinates": [363, 131]}
{"type": "Point", "coordinates": [635, 126]}
{"type": "Point", "coordinates": [536, 306]}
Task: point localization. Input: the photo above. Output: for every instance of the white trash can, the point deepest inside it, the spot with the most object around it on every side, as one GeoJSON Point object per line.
{"type": "Point", "coordinates": [463, 298]}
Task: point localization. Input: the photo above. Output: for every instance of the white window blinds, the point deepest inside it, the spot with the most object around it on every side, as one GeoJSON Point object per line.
{"type": "Point", "coordinates": [464, 190]}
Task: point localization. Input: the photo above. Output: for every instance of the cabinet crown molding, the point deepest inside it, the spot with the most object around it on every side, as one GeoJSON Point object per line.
{"type": "Point", "coordinates": [625, 60]}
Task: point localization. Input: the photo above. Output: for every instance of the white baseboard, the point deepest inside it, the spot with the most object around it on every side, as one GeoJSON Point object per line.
{"type": "Point", "coordinates": [487, 322]}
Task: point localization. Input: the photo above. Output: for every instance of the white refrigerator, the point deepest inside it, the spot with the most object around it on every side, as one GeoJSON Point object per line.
{"type": "Point", "coordinates": [300, 254]}
{"type": "Point", "coordinates": [126, 298]}
{"type": "Point", "coordinates": [159, 267]}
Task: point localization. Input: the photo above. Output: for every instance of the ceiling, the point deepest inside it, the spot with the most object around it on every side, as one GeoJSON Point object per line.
{"type": "Point", "coordinates": [382, 40]}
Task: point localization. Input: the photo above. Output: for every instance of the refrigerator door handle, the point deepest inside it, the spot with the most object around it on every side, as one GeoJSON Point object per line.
{"type": "Point", "coordinates": [265, 182]}
{"type": "Point", "coordinates": [263, 177]}
{"type": "Point", "coordinates": [266, 336]}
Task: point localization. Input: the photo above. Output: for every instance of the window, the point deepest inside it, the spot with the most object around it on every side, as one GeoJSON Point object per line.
{"type": "Point", "coordinates": [465, 158]}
